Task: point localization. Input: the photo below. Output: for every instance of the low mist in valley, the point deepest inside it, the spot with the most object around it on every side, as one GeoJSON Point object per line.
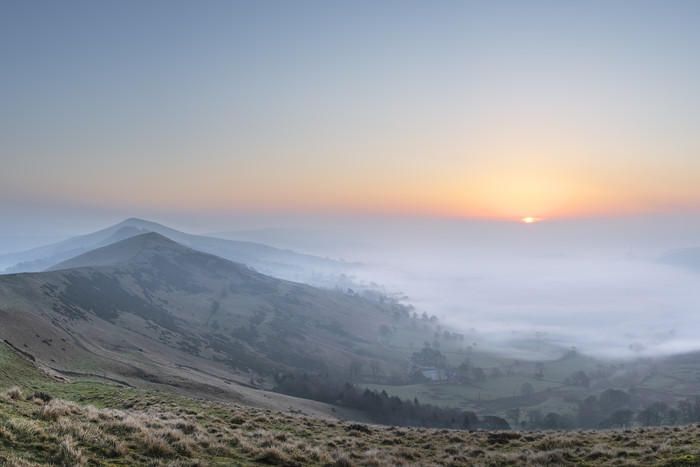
{"type": "Point", "coordinates": [531, 290]}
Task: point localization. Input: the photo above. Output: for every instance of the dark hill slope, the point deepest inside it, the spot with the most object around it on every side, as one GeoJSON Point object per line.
{"type": "Point", "coordinates": [150, 309]}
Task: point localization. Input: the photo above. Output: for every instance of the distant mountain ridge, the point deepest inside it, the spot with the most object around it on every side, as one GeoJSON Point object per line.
{"type": "Point", "coordinates": [132, 249]}
{"type": "Point", "coordinates": [284, 264]}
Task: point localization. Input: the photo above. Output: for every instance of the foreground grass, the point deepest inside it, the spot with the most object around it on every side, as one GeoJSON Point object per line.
{"type": "Point", "coordinates": [146, 428]}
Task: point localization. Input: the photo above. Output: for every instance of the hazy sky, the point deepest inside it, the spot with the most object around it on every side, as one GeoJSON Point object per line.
{"type": "Point", "coordinates": [500, 109]}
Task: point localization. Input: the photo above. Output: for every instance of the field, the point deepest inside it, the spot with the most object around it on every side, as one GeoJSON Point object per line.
{"type": "Point", "coordinates": [558, 385]}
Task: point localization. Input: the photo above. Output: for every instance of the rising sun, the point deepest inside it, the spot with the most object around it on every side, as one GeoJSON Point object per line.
{"type": "Point", "coordinates": [530, 220]}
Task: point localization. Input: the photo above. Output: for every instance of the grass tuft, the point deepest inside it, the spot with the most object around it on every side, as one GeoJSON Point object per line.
{"type": "Point", "coordinates": [57, 408]}
{"type": "Point", "coordinates": [14, 393]}
{"type": "Point", "coordinates": [69, 454]}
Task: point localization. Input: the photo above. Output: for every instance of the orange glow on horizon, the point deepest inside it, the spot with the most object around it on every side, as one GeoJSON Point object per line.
{"type": "Point", "coordinates": [503, 195]}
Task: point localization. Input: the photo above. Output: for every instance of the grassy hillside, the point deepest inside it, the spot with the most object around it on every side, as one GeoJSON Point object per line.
{"type": "Point", "coordinates": [92, 422]}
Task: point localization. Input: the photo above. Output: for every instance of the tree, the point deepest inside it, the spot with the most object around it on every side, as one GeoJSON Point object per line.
{"type": "Point", "coordinates": [653, 415]}
{"type": "Point", "coordinates": [539, 374]}
{"type": "Point", "coordinates": [527, 390]}
{"type": "Point", "coordinates": [588, 412]}
{"type": "Point", "coordinates": [554, 421]}
{"type": "Point", "coordinates": [578, 378]}
{"type": "Point", "coordinates": [375, 368]}
{"type": "Point", "coordinates": [611, 400]}
{"type": "Point", "coordinates": [355, 370]}
{"type": "Point", "coordinates": [470, 420]}
{"type": "Point", "coordinates": [463, 370]}
{"type": "Point", "coordinates": [491, 422]}
{"type": "Point", "coordinates": [690, 409]}
{"type": "Point", "coordinates": [513, 415]}
{"type": "Point", "coordinates": [620, 418]}
{"type": "Point", "coordinates": [429, 357]}
{"type": "Point", "coordinates": [534, 417]}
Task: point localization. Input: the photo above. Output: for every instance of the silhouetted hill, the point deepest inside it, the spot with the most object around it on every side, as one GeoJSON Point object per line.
{"type": "Point", "coordinates": [285, 264]}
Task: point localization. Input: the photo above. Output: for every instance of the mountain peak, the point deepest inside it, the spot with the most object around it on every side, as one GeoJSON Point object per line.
{"type": "Point", "coordinates": [132, 249]}
{"type": "Point", "coordinates": [135, 222]}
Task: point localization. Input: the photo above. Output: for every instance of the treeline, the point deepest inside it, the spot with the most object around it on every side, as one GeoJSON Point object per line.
{"type": "Point", "coordinates": [615, 408]}
{"type": "Point", "coordinates": [382, 408]}
{"type": "Point", "coordinates": [659, 413]}
{"type": "Point", "coordinates": [612, 408]}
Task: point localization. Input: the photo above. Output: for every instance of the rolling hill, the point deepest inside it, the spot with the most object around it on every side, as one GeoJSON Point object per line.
{"type": "Point", "coordinates": [148, 312]}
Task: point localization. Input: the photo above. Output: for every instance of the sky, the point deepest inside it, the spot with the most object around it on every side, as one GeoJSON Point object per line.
{"type": "Point", "coordinates": [459, 109]}
{"type": "Point", "coordinates": [371, 118]}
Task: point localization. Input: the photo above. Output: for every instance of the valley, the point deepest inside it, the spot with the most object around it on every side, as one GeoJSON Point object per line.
{"type": "Point", "coordinates": [144, 318]}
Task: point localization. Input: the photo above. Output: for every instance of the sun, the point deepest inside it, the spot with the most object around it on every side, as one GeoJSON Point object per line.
{"type": "Point", "coordinates": [530, 220]}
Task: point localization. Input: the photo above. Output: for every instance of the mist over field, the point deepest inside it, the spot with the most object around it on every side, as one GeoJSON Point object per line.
{"type": "Point", "coordinates": [533, 290]}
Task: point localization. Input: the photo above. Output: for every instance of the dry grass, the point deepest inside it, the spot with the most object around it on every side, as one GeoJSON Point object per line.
{"type": "Point", "coordinates": [14, 393]}
{"type": "Point", "coordinates": [160, 432]}
{"type": "Point", "coordinates": [57, 408]}
{"type": "Point", "coordinates": [69, 453]}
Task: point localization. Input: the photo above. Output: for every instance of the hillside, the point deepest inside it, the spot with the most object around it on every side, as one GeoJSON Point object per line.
{"type": "Point", "coordinates": [92, 422]}
{"type": "Point", "coordinates": [150, 312]}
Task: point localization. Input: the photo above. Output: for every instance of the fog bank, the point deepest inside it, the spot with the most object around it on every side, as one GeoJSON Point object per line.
{"type": "Point", "coordinates": [535, 289]}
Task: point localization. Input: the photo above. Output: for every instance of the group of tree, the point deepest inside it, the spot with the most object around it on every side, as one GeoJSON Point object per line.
{"type": "Point", "coordinates": [429, 357]}
{"type": "Point", "coordinates": [382, 408]}
{"type": "Point", "coordinates": [612, 408]}
{"type": "Point", "coordinates": [659, 413]}
{"type": "Point", "coordinates": [615, 408]}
